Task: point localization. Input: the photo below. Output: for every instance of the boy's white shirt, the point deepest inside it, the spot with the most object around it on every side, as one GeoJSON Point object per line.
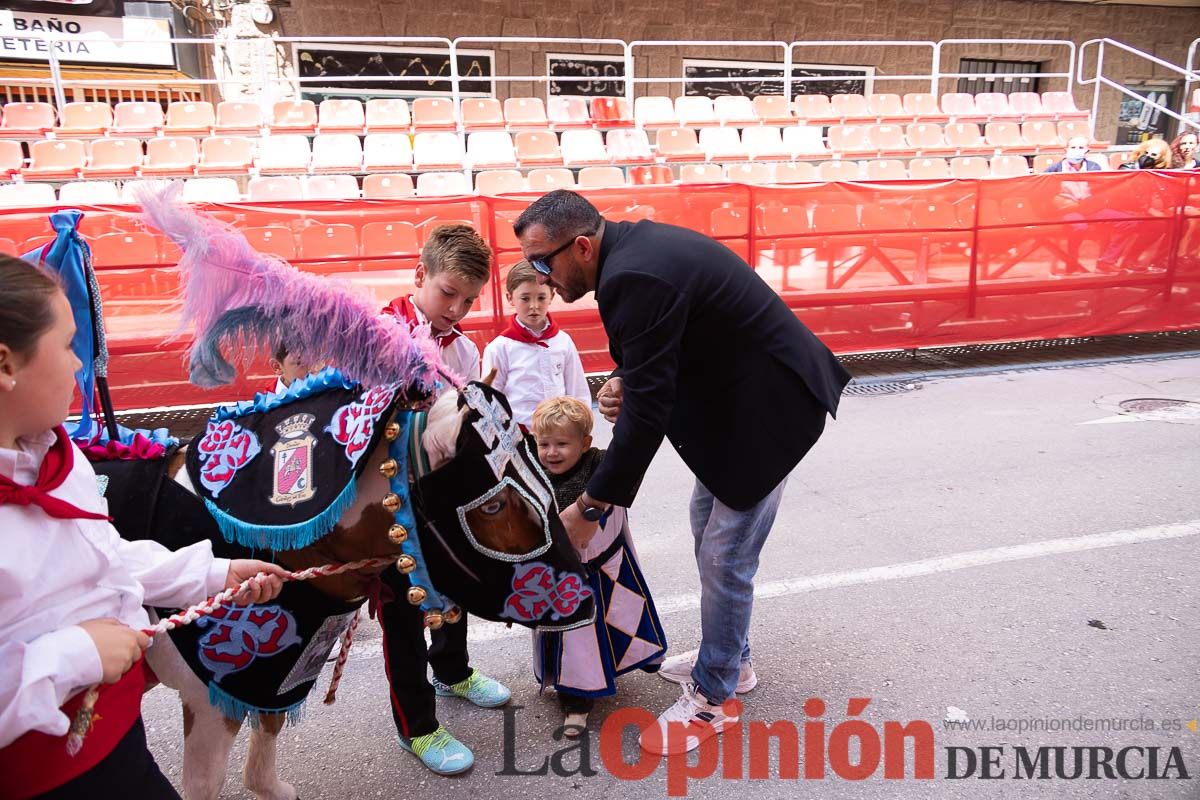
{"type": "Point", "coordinates": [461, 355]}
{"type": "Point", "coordinates": [57, 573]}
{"type": "Point", "coordinates": [528, 373]}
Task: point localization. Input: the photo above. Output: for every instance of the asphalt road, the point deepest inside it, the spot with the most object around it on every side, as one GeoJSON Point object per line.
{"type": "Point", "coordinates": [1005, 549]}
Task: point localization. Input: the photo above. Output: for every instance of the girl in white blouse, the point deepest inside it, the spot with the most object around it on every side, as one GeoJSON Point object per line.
{"type": "Point", "coordinates": [71, 589]}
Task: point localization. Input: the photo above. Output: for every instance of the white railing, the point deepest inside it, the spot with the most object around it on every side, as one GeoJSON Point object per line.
{"type": "Point", "coordinates": [1099, 80]}
{"type": "Point", "coordinates": [788, 51]}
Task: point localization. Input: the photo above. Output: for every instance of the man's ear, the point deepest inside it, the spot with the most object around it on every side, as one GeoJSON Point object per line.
{"type": "Point", "coordinates": [276, 366]}
{"type": "Point", "coordinates": [419, 275]}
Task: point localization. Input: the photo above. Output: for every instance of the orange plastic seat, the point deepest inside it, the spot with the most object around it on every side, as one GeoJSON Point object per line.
{"type": "Point", "coordinates": [235, 117]}
{"type": "Point", "coordinates": [390, 239]}
{"type": "Point", "coordinates": [294, 116]}
{"type": "Point", "coordinates": [932, 169]}
{"type": "Point", "coordinates": [482, 113]}
{"type": "Point", "coordinates": [86, 120]}
{"type": "Point", "coordinates": [170, 157]}
{"type": "Point", "coordinates": [499, 181]}
{"type": "Point", "coordinates": [568, 112]}
{"type": "Point", "coordinates": [114, 158]}
{"type": "Point", "coordinates": [341, 115]}
{"type": "Point", "coordinates": [276, 240]}
{"type": "Point", "coordinates": [772, 109]}
{"type": "Point", "coordinates": [51, 159]}
{"type": "Point", "coordinates": [433, 114]}
{"type": "Point", "coordinates": [138, 119]}
{"type": "Point", "coordinates": [972, 167]}
{"type": "Point", "coordinates": [225, 154]}
{"type": "Point", "coordinates": [538, 148]}
{"type": "Point", "coordinates": [525, 112]}
{"type": "Point", "coordinates": [547, 179]}
{"type": "Point", "coordinates": [26, 120]}
{"type": "Point", "coordinates": [387, 187]}
{"type": "Point", "coordinates": [388, 115]}
{"type": "Point", "coordinates": [679, 144]}
{"type": "Point", "coordinates": [187, 118]}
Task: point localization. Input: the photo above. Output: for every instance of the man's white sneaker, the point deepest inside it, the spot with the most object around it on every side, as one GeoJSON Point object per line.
{"type": "Point", "coordinates": [695, 720]}
{"type": "Point", "coordinates": [678, 669]}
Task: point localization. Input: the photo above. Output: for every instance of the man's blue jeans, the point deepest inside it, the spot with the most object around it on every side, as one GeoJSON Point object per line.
{"type": "Point", "coordinates": [727, 546]}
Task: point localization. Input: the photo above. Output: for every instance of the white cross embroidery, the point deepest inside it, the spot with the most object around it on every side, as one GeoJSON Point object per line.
{"type": "Point", "coordinates": [496, 428]}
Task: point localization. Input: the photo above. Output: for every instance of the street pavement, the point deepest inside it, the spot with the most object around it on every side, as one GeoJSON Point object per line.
{"type": "Point", "coordinates": [1014, 551]}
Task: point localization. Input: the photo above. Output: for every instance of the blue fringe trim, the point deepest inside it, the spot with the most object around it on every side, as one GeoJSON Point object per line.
{"type": "Point", "coordinates": [328, 378]}
{"type": "Point", "coordinates": [283, 537]}
{"type": "Point", "coordinates": [235, 709]}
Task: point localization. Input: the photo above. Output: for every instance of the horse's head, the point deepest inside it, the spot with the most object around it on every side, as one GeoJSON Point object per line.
{"type": "Point", "coordinates": [488, 523]}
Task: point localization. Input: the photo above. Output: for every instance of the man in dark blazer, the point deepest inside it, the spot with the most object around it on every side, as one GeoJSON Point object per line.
{"type": "Point", "coordinates": [708, 355]}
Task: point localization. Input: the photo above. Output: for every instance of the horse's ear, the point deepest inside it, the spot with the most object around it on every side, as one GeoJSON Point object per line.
{"type": "Point", "coordinates": [445, 420]}
{"type": "Point", "coordinates": [491, 376]}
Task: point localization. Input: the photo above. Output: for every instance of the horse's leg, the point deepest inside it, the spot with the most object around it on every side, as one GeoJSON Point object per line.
{"type": "Point", "coordinates": [261, 775]}
{"type": "Point", "coordinates": [207, 733]}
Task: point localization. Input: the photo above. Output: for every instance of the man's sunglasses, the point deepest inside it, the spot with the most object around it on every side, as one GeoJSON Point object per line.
{"type": "Point", "coordinates": [542, 263]}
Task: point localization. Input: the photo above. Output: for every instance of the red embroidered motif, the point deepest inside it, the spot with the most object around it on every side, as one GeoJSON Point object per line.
{"type": "Point", "coordinates": [241, 634]}
{"type": "Point", "coordinates": [354, 424]}
{"type": "Point", "coordinates": [535, 591]}
{"type": "Point", "coordinates": [225, 448]}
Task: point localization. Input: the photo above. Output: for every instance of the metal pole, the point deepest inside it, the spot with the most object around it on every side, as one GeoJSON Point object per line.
{"type": "Point", "coordinates": [60, 97]}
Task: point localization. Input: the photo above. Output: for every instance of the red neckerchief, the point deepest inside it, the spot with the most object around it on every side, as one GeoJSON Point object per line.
{"type": "Point", "coordinates": [56, 466]}
{"type": "Point", "coordinates": [520, 333]}
{"type": "Point", "coordinates": [403, 308]}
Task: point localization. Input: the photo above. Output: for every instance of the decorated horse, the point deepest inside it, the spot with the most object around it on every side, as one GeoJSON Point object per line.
{"type": "Point", "coordinates": [385, 459]}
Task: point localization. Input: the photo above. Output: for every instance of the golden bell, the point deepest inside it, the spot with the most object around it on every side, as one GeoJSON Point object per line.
{"type": "Point", "coordinates": [389, 468]}
{"type": "Point", "coordinates": [416, 595]}
{"type": "Point", "coordinates": [406, 564]}
{"type": "Point", "coordinates": [453, 615]}
{"type": "Point", "coordinates": [391, 502]}
{"type": "Point", "coordinates": [434, 619]}
{"type": "Point", "coordinates": [397, 534]}
{"type": "Point", "coordinates": [391, 431]}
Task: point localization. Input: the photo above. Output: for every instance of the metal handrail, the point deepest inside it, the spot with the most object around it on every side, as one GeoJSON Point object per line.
{"type": "Point", "coordinates": [1187, 82]}
{"type": "Point", "coordinates": [1099, 80]}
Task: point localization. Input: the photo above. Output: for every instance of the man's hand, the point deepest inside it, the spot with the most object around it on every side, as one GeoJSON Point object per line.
{"type": "Point", "coordinates": [119, 646]}
{"type": "Point", "coordinates": [266, 587]}
{"type": "Point", "coordinates": [578, 529]}
{"type": "Point", "coordinates": [610, 397]}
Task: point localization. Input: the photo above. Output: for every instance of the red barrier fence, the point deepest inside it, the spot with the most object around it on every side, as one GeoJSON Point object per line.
{"type": "Point", "coordinates": [866, 266]}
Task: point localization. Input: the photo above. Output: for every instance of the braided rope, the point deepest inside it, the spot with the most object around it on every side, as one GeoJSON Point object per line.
{"type": "Point", "coordinates": [343, 654]}
{"type": "Point", "coordinates": [84, 716]}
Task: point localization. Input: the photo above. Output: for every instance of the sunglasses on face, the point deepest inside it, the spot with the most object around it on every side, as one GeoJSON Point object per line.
{"type": "Point", "coordinates": [542, 263]}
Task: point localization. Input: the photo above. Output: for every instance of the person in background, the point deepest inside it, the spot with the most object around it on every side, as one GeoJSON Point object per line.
{"type": "Point", "coordinates": [533, 359]}
{"type": "Point", "coordinates": [1183, 151]}
{"type": "Point", "coordinates": [1076, 159]}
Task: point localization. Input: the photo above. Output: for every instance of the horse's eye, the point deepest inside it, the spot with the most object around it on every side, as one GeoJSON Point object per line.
{"type": "Point", "coordinates": [493, 508]}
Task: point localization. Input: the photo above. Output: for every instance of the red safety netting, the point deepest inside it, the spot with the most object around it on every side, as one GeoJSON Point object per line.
{"type": "Point", "coordinates": [867, 266]}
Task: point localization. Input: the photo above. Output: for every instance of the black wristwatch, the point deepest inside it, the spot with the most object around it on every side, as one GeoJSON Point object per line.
{"type": "Point", "coordinates": [590, 513]}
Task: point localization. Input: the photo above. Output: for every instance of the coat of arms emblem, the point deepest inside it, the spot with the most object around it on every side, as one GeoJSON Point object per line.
{"type": "Point", "coordinates": [293, 472]}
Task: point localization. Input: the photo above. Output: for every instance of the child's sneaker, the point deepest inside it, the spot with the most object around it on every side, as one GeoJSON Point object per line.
{"type": "Point", "coordinates": [574, 724]}
{"type": "Point", "coordinates": [702, 719]}
{"type": "Point", "coordinates": [481, 690]}
{"type": "Point", "coordinates": [678, 669]}
{"type": "Point", "coordinates": [440, 751]}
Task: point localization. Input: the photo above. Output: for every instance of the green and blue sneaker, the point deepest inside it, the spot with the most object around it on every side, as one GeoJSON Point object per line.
{"type": "Point", "coordinates": [481, 690]}
{"type": "Point", "coordinates": [440, 751]}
